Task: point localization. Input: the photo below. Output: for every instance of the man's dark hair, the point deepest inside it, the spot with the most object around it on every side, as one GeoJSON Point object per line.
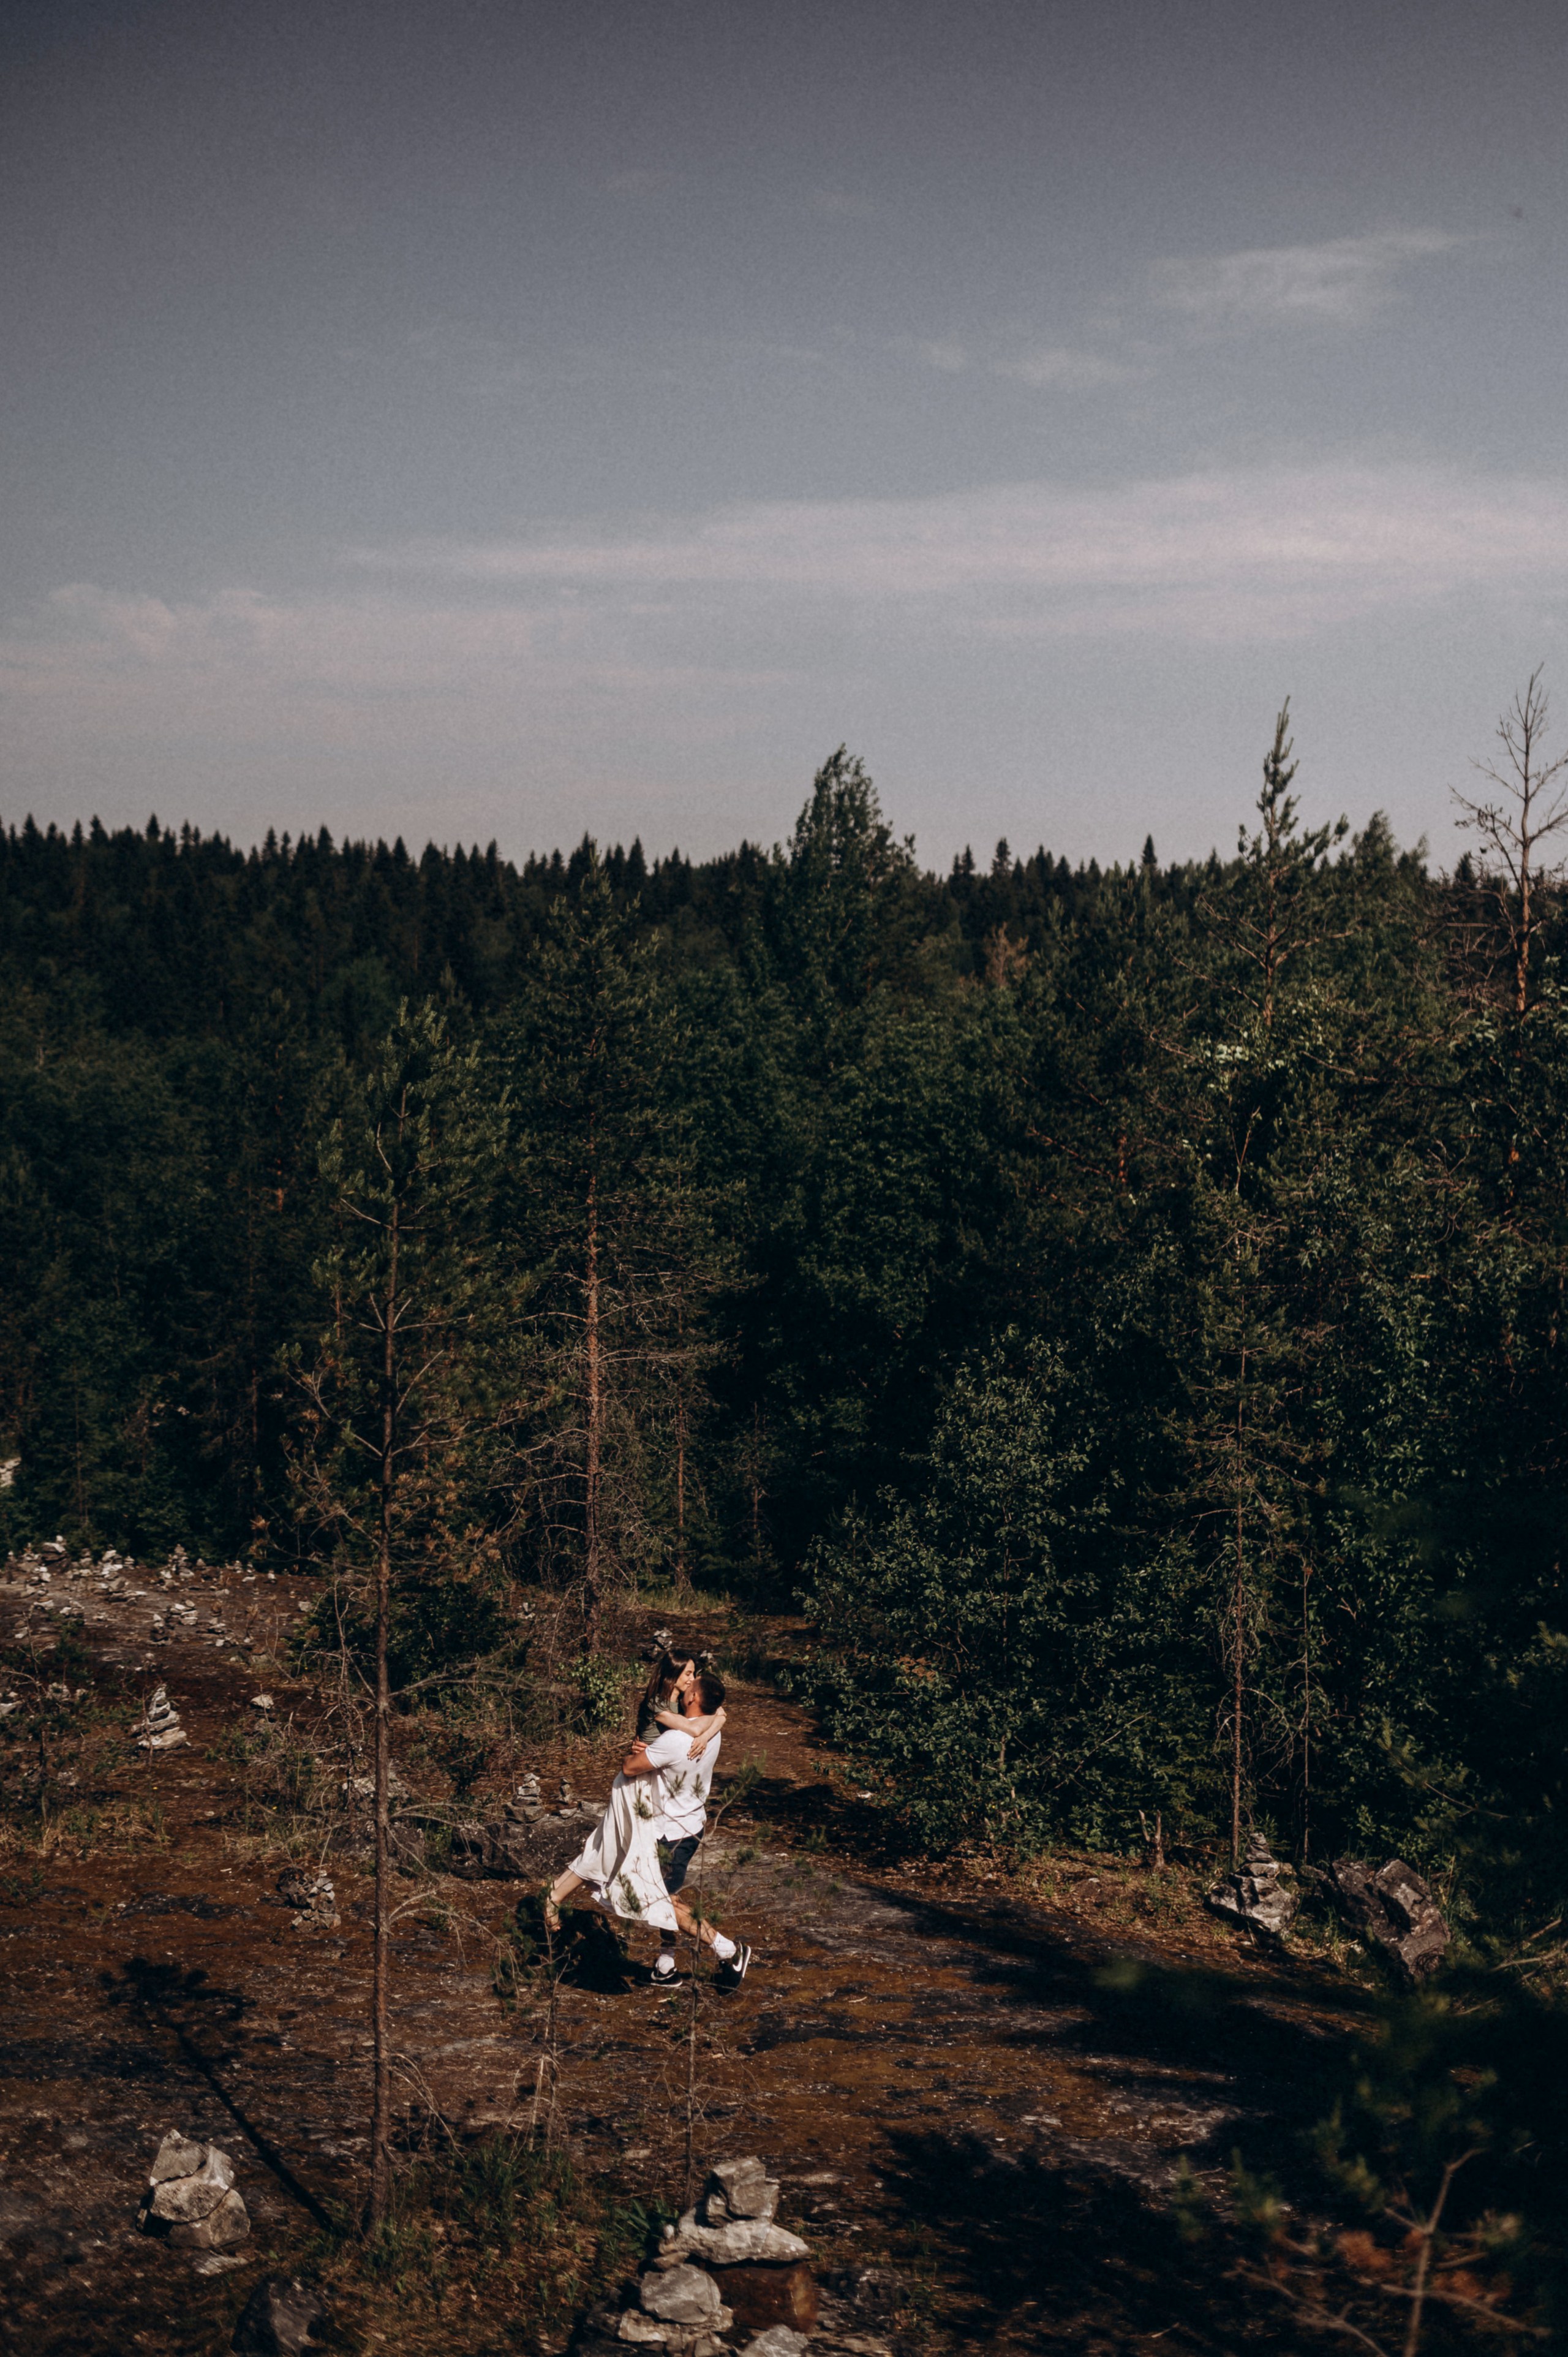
{"type": "Point", "coordinates": [709, 1690]}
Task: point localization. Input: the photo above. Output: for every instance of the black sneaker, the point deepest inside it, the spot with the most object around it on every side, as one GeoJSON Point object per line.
{"type": "Point", "coordinates": [673, 1979]}
{"type": "Point", "coordinates": [733, 1969]}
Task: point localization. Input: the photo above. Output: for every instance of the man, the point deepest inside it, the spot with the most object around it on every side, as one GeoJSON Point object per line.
{"type": "Point", "coordinates": [685, 1783]}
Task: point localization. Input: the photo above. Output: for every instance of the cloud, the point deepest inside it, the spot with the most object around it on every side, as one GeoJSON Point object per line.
{"type": "Point", "coordinates": [843, 204]}
{"type": "Point", "coordinates": [1342, 281]}
{"type": "Point", "coordinates": [951, 358]}
{"type": "Point", "coordinates": [1248, 552]}
{"type": "Point", "coordinates": [1061, 369]}
{"type": "Point", "coordinates": [625, 665]}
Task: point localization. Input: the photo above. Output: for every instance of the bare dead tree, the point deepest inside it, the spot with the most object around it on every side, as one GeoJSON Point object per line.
{"type": "Point", "coordinates": [1531, 806]}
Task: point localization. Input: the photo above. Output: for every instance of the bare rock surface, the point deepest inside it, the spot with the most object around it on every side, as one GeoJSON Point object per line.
{"type": "Point", "coordinates": [1394, 1908]}
{"type": "Point", "coordinates": [282, 2317]}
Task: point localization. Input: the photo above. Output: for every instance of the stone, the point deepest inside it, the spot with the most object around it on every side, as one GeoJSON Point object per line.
{"type": "Point", "coordinates": [282, 2317]}
{"type": "Point", "coordinates": [261, 1701]}
{"type": "Point", "coordinates": [177, 2156]}
{"type": "Point", "coordinates": [742, 2239]}
{"type": "Point", "coordinates": [218, 2263]}
{"type": "Point", "coordinates": [682, 2296]}
{"type": "Point", "coordinates": [184, 2200]}
{"type": "Point", "coordinates": [680, 2340]}
{"type": "Point", "coordinates": [740, 2189]}
{"type": "Point", "coordinates": [1395, 1909]}
{"type": "Point", "coordinates": [1254, 1894]}
{"type": "Point", "coordinates": [779, 2340]}
{"type": "Point", "coordinates": [230, 2223]}
{"type": "Point", "coordinates": [760, 2295]}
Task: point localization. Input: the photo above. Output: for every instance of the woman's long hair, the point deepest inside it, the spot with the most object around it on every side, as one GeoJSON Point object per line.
{"type": "Point", "coordinates": [657, 1693]}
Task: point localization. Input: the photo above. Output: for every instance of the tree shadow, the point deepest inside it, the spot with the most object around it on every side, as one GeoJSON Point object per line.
{"type": "Point", "coordinates": [1063, 2254]}
{"type": "Point", "coordinates": [1254, 2025]}
{"type": "Point", "coordinates": [187, 2009]}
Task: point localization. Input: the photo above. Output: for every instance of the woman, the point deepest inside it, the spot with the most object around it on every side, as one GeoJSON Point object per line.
{"type": "Point", "coordinates": [620, 1862]}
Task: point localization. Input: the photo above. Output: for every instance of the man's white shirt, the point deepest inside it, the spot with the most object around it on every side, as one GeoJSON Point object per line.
{"type": "Point", "coordinates": [684, 1782]}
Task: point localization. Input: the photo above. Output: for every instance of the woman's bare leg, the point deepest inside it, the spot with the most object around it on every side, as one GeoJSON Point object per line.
{"type": "Point", "coordinates": [564, 1886]}
{"type": "Point", "coordinates": [696, 1928]}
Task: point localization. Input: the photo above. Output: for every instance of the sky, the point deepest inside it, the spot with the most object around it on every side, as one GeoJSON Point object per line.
{"type": "Point", "coordinates": [474, 420]}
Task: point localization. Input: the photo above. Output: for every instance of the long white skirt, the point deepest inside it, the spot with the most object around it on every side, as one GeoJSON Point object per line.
{"type": "Point", "coordinates": [621, 1857]}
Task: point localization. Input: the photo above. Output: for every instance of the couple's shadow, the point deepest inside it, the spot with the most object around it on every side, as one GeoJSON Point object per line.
{"type": "Point", "coordinates": [587, 1952]}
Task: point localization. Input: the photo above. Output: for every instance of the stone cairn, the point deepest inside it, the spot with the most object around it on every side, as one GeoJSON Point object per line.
{"type": "Point", "coordinates": [312, 1894]}
{"type": "Point", "coordinates": [1254, 1894]}
{"type": "Point", "coordinates": [726, 2276]}
{"type": "Point", "coordinates": [159, 1729]}
{"type": "Point", "coordinates": [530, 1839]}
{"type": "Point", "coordinates": [191, 2198]}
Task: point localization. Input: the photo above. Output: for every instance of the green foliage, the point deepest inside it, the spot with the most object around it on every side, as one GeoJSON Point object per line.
{"type": "Point", "coordinates": [602, 1686]}
{"type": "Point", "coordinates": [1453, 2110]}
{"type": "Point", "coordinates": [1131, 1300]}
{"type": "Point", "coordinates": [978, 1647]}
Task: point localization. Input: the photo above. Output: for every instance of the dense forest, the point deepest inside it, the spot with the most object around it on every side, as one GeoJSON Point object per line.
{"type": "Point", "coordinates": [1122, 1307]}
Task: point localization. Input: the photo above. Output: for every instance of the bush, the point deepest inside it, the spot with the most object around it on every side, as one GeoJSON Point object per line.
{"type": "Point", "coordinates": [439, 1624]}
{"type": "Point", "coordinates": [984, 1652]}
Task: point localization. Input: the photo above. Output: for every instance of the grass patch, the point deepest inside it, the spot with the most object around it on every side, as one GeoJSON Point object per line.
{"type": "Point", "coordinates": [495, 2247]}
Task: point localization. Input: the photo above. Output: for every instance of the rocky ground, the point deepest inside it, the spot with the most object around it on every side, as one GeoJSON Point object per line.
{"type": "Point", "coordinates": [978, 2092]}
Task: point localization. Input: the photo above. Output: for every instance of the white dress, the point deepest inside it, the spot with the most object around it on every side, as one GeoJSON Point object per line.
{"type": "Point", "coordinates": [620, 1860]}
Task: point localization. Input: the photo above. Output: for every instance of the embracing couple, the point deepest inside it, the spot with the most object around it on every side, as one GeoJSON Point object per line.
{"type": "Point", "coordinates": [659, 1799]}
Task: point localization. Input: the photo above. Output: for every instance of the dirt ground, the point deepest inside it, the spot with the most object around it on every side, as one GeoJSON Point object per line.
{"type": "Point", "coordinates": [981, 2085]}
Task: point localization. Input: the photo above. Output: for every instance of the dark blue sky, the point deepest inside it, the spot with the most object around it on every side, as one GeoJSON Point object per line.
{"type": "Point", "coordinates": [477, 419]}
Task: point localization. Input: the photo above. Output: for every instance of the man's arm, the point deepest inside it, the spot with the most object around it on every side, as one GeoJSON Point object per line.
{"type": "Point", "coordinates": [637, 1762]}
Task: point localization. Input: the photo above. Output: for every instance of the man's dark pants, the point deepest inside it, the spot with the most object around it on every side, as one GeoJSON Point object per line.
{"type": "Point", "coordinates": [674, 1857]}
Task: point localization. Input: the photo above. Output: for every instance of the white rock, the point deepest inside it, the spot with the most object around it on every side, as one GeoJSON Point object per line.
{"type": "Point", "coordinates": [177, 2156]}
{"type": "Point", "coordinates": [743, 2238]}
{"type": "Point", "coordinates": [184, 2200]}
{"type": "Point", "coordinates": [682, 2296]}
{"type": "Point", "coordinates": [230, 2223]}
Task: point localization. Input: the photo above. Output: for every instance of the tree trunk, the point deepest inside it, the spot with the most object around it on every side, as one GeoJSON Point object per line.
{"type": "Point", "coordinates": [1239, 1640]}
{"type": "Point", "coordinates": [592, 1585]}
{"type": "Point", "coordinates": [381, 2099]}
{"type": "Point", "coordinates": [679, 1450]}
{"type": "Point", "coordinates": [1305, 1716]}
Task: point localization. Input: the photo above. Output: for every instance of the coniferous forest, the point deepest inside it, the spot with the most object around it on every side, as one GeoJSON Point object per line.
{"type": "Point", "coordinates": [1121, 1309]}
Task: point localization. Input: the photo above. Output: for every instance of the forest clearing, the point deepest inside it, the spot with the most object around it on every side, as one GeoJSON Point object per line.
{"type": "Point", "coordinates": [1076, 1353]}
{"type": "Point", "coordinates": [1006, 2105]}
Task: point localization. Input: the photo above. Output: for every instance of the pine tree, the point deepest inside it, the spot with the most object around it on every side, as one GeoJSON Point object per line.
{"type": "Point", "coordinates": [396, 1400]}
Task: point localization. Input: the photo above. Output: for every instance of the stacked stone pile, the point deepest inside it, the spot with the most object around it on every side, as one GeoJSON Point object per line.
{"type": "Point", "coordinates": [530, 1839]}
{"type": "Point", "coordinates": [191, 2198]}
{"type": "Point", "coordinates": [159, 1729]}
{"type": "Point", "coordinates": [311, 1894]}
{"type": "Point", "coordinates": [1254, 1894]}
{"type": "Point", "coordinates": [726, 2277]}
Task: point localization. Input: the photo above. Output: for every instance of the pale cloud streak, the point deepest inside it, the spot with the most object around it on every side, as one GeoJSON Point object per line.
{"type": "Point", "coordinates": [1248, 551]}
{"type": "Point", "coordinates": [642, 653]}
{"type": "Point", "coordinates": [1061, 368]}
{"type": "Point", "coordinates": [1340, 282]}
